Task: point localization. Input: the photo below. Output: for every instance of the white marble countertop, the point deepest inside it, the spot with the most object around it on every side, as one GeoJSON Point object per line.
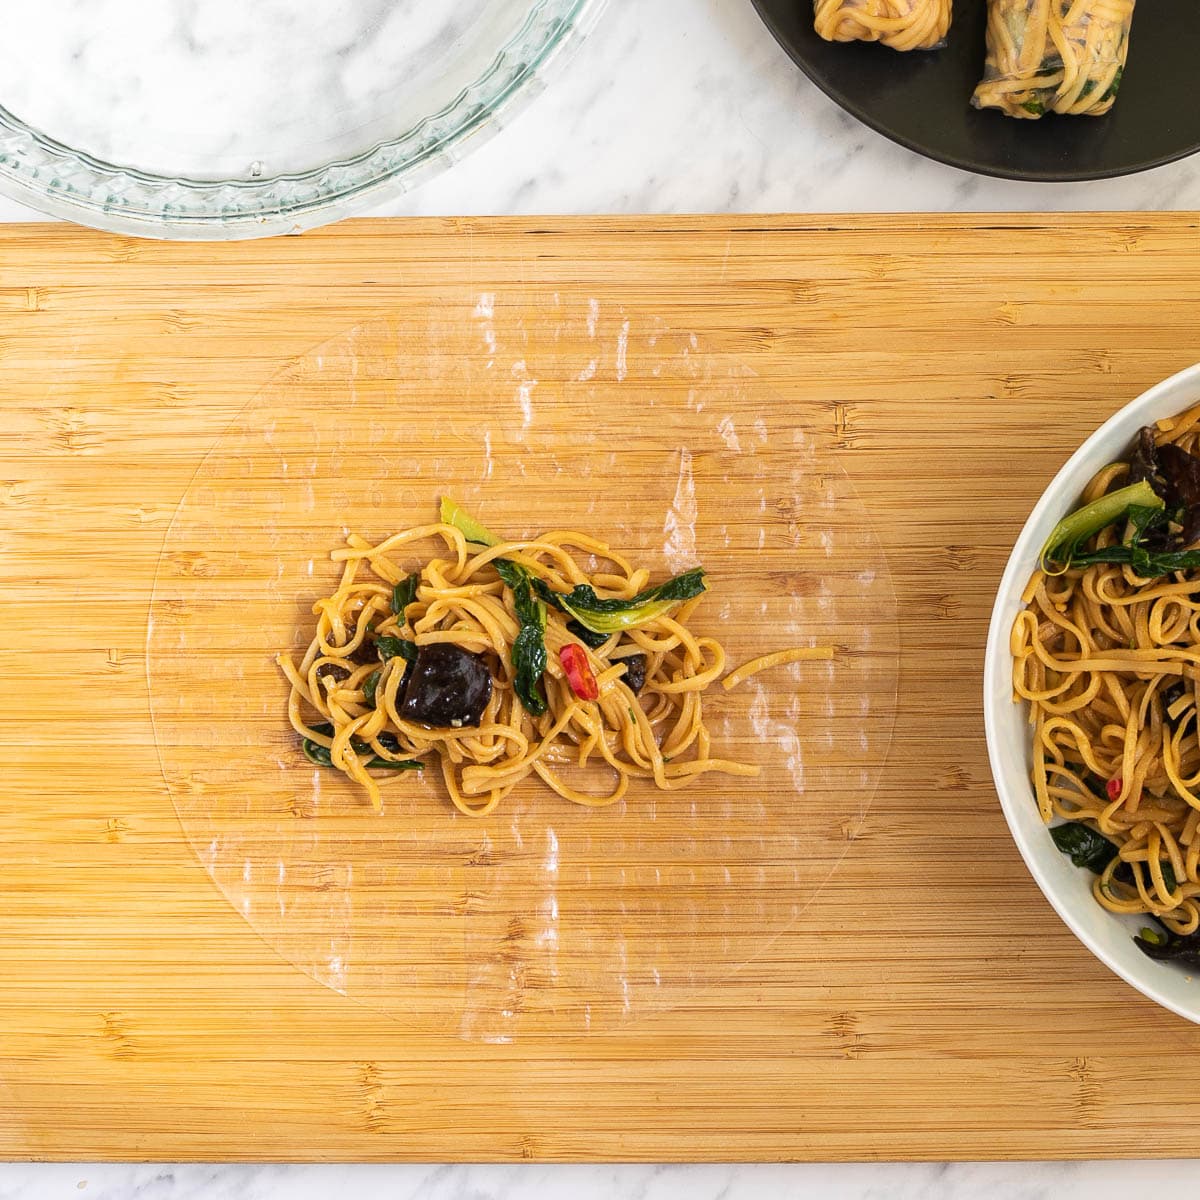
{"type": "Point", "coordinates": [678, 106]}
{"type": "Point", "coordinates": [850, 1181]}
{"type": "Point", "coordinates": [690, 106]}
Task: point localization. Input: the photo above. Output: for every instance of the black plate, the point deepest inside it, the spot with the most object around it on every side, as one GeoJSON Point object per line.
{"type": "Point", "coordinates": [921, 99]}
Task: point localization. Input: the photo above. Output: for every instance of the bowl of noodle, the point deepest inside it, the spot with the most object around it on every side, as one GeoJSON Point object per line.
{"type": "Point", "coordinates": [1091, 679]}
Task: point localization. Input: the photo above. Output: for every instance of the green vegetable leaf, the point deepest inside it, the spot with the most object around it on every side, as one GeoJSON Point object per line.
{"type": "Point", "coordinates": [370, 686]}
{"type": "Point", "coordinates": [599, 616]}
{"type": "Point", "coordinates": [396, 647]}
{"type": "Point", "coordinates": [529, 646]}
{"type": "Point", "coordinates": [1035, 107]}
{"type": "Point", "coordinates": [1084, 845]}
{"type": "Point", "coordinates": [1061, 551]}
{"type": "Point", "coordinates": [1148, 564]}
{"type": "Point", "coordinates": [454, 514]}
{"type": "Point", "coordinates": [1087, 848]}
{"type": "Point", "coordinates": [1114, 86]}
{"type": "Point", "coordinates": [609, 615]}
{"type": "Point", "coordinates": [1143, 519]}
{"type": "Point", "coordinates": [403, 764]}
{"type": "Point", "coordinates": [405, 592]}
{"type": "Point", "coordinates": [1135, 553]}
{"type": "Point", "coordinates": [592, 640]}
{"type": "Point", "coordinates": [512, 574]}
{"type": "Point", "coordinates": [318, 755]}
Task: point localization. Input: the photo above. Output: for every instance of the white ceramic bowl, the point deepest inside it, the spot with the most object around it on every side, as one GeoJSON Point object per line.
{"type": "Point", "coordinates": [1067, 887]}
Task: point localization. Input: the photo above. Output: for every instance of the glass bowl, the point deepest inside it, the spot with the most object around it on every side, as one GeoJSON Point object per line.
{"type": "Point", "coordinates": [233, 120]}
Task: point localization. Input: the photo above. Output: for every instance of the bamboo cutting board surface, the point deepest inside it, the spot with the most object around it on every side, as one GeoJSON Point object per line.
{"type": "Point", "coordinates": [903, 993]}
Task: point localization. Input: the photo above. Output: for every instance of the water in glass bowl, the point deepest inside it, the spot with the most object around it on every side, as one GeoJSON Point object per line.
{"type": "Point", "coordinates": [217, 119]}
{"type": "Point", "coordinates": [226, 89]}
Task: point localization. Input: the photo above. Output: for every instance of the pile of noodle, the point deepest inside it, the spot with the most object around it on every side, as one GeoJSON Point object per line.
{"type": "Point", "coordinates": [1110, 666]}
{"type": "Point", "coordinates": [658, 735]}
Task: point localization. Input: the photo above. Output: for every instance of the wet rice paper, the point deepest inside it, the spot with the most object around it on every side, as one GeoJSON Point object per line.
{"type": "Point", "coordinates": [900, 24]}
{"type": "Point", "coordinates": [1063, 56]}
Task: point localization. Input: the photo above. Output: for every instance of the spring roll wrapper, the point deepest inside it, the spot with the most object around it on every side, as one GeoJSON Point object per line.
{"type": "Point", "coordinates": [900, 24]}
{"type": "Point", "coordinates": [1063, 56]}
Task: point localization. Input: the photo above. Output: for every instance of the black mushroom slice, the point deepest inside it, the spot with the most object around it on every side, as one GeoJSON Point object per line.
{"type": "Point", "coordinates": [1181, 470]}
{"type": "Point", "coordinates": [1166, 946]}
{"type": "Point", "coordinates": [1144, 463]}
{"type": "Point", "coordinates": [635, 672]}
{"type": "Point", "coordinates": [446, 687]}
{"type": "Point", "coordinates": [1175, 691]}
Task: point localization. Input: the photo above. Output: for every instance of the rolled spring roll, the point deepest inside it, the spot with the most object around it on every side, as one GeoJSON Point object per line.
{"type": "Point", "coordinates": [901, 24]}
{"type": "Point", "coordinates": [1063, 56]}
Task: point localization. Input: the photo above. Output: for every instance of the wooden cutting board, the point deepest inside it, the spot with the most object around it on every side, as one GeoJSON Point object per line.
{"type": "Point", "coordinates": [924, 1002]}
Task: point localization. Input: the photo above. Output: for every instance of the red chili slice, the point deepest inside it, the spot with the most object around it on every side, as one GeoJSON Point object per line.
{"type": "Point", "coordinates": [1114, 787]}
{"type": "Point", "coordinates": [579, 675]}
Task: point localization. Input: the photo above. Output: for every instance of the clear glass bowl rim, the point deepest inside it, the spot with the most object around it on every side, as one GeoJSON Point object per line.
{"type": "Point", "coordinates": [59, 181]}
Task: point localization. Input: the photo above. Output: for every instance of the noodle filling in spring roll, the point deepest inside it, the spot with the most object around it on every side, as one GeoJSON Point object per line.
{"type": "Point", "coordinates": [1063, 56]}
{"type": "Point", "coordinates": [900, 24]}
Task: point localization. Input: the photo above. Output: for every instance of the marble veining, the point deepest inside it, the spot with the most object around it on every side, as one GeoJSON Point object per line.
{"type": "Point", "coordinates": [853, 1181]}
{"type": "Point", "coordinates": [670, 106]}
{"type": "Point", "coordinates": [229, 89]}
